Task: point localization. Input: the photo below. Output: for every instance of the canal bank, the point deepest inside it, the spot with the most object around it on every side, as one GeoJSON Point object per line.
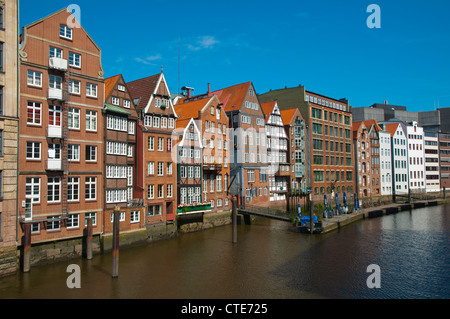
{"type": "Point", "coordinates": [338, 222]}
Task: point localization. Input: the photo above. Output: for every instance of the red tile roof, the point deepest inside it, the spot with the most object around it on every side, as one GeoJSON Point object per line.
{"type": "Point", "coordinates": [190, 109]}
{"type": "Point", "coordinates": [143, 89]}
{"type": "Point", "coordinates": [233, 97]}
{"type": "Point", "coordinates": [110, 83]}
{"type": "Point", "coordinates": [392, 128]}
{"type": "Point", "coordinates": [288, 114]}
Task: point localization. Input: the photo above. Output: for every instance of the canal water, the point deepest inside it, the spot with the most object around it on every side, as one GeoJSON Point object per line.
{"type": "Point", "coordinates": [412, 250]}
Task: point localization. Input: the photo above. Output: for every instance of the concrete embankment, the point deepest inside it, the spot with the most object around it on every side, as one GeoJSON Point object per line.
{"type": "Point", "coordinates": [374, 212]}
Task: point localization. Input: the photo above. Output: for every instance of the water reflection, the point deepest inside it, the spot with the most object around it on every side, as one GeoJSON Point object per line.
{"type": "Point", "coordinates": [269, 261]}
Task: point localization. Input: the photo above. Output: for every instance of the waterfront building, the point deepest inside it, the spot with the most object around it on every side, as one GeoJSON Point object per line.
{"type": "Point", "coordinates": [120, 125]}
{"type": "Point", "coordinates": [295, 128]}
{"type": "Point", "coordinates": [416, 155]}
{"type": "Point", "coordinates": [213, 123]}
{"type": "Point", "coordinates": [329, 137]}
{"type": "Point", "coordinates": [362, 145]}
{"type": "Point", "coordinates": [385, 163]}
{"type": "Point", "coordinates": [277, 152]}
{"type": "Point", "coordinates": [189, 167]}
{"type": "Point", "coordinates": [9, 130]}
{"type": "Point", "coordinates": [61, 141]}
{"type": "Point", "coordinates": [156, 174]}
{"type": "Point", "coordinates": [431, 154]}
{"type": "Point", "coordinates": [248, 151]}
{"type": "Point", "coordinates": [444, 159]}
{"type": "Point", "coordinates": [381, 112]}
{"type": "Point", "coordinates": [399, 154]}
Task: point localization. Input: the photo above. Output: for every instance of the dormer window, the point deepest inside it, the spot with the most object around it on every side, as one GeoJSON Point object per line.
{"type": "Point", "coordinates": [65, 32]}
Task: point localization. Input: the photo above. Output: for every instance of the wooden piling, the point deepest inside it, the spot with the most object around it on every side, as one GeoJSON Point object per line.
{"type": "Point", "coordinates": [234, 219]}
{"type": "Point", "coordinates": [115, 248]}
{"type": "Point", "coordinates": [27, 248]}
{"type": "Point", "coordinates": [89, 232]}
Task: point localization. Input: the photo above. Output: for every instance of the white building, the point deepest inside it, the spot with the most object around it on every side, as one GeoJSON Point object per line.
{"type": "Point", "coordinates": [416, 158]}
{"type": "Point", "coordinates": [399, 157]}
{"type": "Point", "coordinates": [432, 170]}
{"type": "Point", "coordinates": [385, 163]}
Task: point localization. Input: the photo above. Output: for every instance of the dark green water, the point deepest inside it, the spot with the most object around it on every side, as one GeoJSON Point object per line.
{"type": "Point", "coordinates": [412, 250]}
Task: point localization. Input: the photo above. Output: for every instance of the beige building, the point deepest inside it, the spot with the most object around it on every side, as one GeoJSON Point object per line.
{"type": "Point", "coordinates": [8, 134]}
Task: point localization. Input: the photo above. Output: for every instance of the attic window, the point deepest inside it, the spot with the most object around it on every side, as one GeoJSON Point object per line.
{"type": "Point", "coordinates": [65, 32]}
{"type": "Point", "coordinates": [121, 88]}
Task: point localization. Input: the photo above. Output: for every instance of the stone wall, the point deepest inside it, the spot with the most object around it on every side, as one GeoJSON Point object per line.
{"type": "Point", "coordinates": [209, 221]}
{"type": "Point", "coordinates": [8, 261]}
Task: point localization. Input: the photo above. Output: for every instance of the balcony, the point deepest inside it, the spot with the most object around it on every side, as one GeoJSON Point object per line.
{"type": "Point", "coordinates": [193, 208]}
{"type": "Point", "coordinates": [55, 94]}
{"type": "Point", "coordinates": [54, 164]}
{"type": "Point", "coordinates": [54, 131]}
{"type": "Point", "coordinates": [212, 167]}
{"type": "Point", "coordinates": [57, 64]}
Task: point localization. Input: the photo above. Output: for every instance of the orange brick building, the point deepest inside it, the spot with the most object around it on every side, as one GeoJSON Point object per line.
{"type": "Point", "coordinates": [156, 175]}
{"type": "Point", "coordinates": [61, 134]}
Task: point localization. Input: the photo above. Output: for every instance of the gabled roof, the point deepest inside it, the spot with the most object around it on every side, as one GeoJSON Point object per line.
{"type": "Point", "coordinates": [143, 89]}
{"type": "Point", "coordinates": [267, 108]}
{"type": "Point", "coordinates": [233, 97]}
{"type": "Point", "coordinates": [372, 124]}
{"type": "Point", "coordinates": [110, 83]}
{"type": "Point", "coordinates": [288, 114]}
{"type": "Point", "coordinates": [191, 109]}
{"type": "Point", "coordinates": [392, 128]}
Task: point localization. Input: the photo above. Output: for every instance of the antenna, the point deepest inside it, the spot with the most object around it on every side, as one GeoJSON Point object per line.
{"type": "Point", "coordinates": [179, 66]}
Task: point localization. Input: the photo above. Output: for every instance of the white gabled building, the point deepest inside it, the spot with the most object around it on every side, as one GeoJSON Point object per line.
{"type": "Point", "coordinates": [432, 169]}
{"type": "Point", "coordinates": [416, 158]}
{"type": "Point", "coordinates": [399, 157]}
{"type": "Point", "coordinates": [385, 163]}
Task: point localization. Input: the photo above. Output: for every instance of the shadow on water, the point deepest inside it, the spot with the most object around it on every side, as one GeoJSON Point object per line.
{"type": "Point", "coordinates": [269, 261]}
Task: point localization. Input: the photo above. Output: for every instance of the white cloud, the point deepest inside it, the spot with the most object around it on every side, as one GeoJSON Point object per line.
{"type": "Point", "coordinates": [203, 42]}
{"type": "Point", "coordinates": [149, 60]}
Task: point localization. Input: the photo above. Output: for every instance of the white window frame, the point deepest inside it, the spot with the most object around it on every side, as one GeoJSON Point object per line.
{"type": "Point", "coordinates": [65, 32]}
{"type": "Point", "coordinates": [73, 189]}
{"type": "Point", "coordinates": [91, 90]}
{"type": "Point", "coordinates": [33, 150]}
{"type": "Point", "coordinates": [73, 56]}
{"type": "Point", "coordinates": [75, 149]}
{"type": "Point", "coordinates": [55, 184]}
{"type": "Point", "coordinates": [36, 108]}
{"type": "Point", "coordinates": [90, 183]}
{"type": "Point", "coordinates": [32, 183]}
{"type": "Point", "coordinates": [74, 87]}
{"type": "Point", "coordinates": [91, 120]}
{"type": "Point", "coordinates": [93, 149]}
{"type": "Point", "coordinates": [36, 78]}
{"type": "Point", "coordinates": [74, 117]}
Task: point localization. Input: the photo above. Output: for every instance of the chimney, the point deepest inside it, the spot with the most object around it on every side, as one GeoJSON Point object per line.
{"type": "Point", "coordinates": [209, 89]}
{"type": "Point", "coordinates": [187, 91]}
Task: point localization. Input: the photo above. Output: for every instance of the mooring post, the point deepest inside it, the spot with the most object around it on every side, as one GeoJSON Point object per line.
{"type": "Point", "coordinates": [311, 215]}
{"type": "Point", "coordinates": [234, 219]}
{"type": "Point", "coordinates": [115, 248]}
{"type": "Point", "coordinates": [26, 248]}
{"type": "Point", "coordinates": [409, 195]}
{"type": "Point", "coordinates": [89, 239]}
{"type": "Point", "coordinates": [444, 192]}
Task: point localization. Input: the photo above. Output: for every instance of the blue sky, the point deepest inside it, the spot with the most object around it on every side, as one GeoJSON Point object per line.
{"type": "Point", "coordinates": [323, 45]}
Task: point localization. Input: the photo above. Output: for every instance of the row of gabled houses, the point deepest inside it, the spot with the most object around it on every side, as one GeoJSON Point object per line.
{"type": "Point", "coordinates": [79, 146]}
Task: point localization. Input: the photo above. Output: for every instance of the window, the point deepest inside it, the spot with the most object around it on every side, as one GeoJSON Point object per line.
{"type": "Point", "coordinates": [53, 189]}
{"type": "Point", "coordinates": [251, 175]}
{"type": "Point", "coordinates": [34, 150]}
{"type": "Point", "coordinates": [160, 168]}
{"type": "Point", "coordinates": [73, 152]}
{"type": "Point", "coordinates": [53, 222]}
{"type": "Point", "coordinates": [93, 216]}
{"type": "Point", "coordinates": [116, 196]}
{"type": "Point", "coordinates": [91, 90]}
{"type": "Point", "coordinates": [154, 210]}
{"type": "Point", "coordinates": [151, 191]}
{"type": "Point", "coordinates": [91, 120]}
{"type": "Point", "coordinates": [171, 123]}
{"type": "Point", "coordinates": [33, 189]}
{"type": "Point", "coordinates": [34, 78]}
{"type": "Point", "coordinates": [90, 188]}
{"type": "Point", "coordinates": [160, 144]}
{"type": "Point", "coordinates": [34, 113]}
{"type": "Point", "coordinates": [54, 115]}
{"type": "Point", "coordinates": [169, 190]}
{"type": "Point", "coordinates": [169, 168]}
{"type": "Point", "coordinates": [75, 60]}
{"type": "Point", "coordinates": [127, 103]}
{"type": "Point", "coordinates": [65, 32]}
{"type": "Point", "coordinates": [151, 143]}
{"type": "Point", "coordinates": [135, 216]}
{"type": "Point", "coordinates": [91, 153]}
{"type": "Point", "coordinates": [73, 221]}
{"type": "Point", "coordinates": [73, 188]}
{"type": "Point", "coordinates": [74, 86]}
{"type": "Point", "coordinates": [156, 122]}
{"type": "Point", "coordinates": [55, 82]}
{"type": "Point", "coordinates": [74, 118]}
{"type": "Point", "coordinates": [160, 191]}
{"type": "Point", "coordinates": [151, 168]}
{"type": "Point", "coordinates": [55, 53]}
{"type": "Point", "coordinates": [115, 100]}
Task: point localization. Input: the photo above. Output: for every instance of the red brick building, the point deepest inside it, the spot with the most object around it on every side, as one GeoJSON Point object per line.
{"type": "Point", "coordinates": [156, 176]}
{"type": "Point", "coordinates": [120, 124]}
{"type": "Point", "coordinates": [248, 164]}
{"type": "Point", "coordinates": [213, 124]}
{"type": "Point", "coordinates": [61, 135]}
